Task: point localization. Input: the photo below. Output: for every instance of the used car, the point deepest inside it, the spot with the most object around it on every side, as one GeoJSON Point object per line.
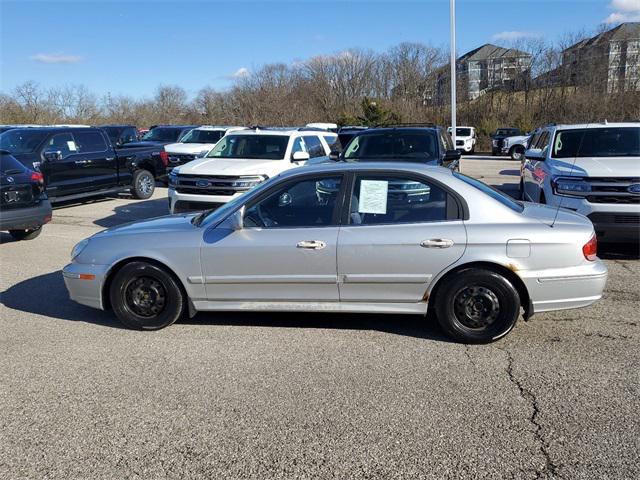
{"type": "Point", "coordinates": [497, 138]}
{"type": "Point", "coordinates": [466, 139]}
{"type": "Point", "coordinates": [473, 256]}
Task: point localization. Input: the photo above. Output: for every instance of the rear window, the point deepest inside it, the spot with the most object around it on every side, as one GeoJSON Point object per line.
{"type": "Point", "coordinates": [22, 141]}
{"type": "Point", "coordinates": [504, 199]}
{"type": "Point", "coordinates": [9, 165]}
{"type": "Point", "coordinates": [163, 134]}
{"type": "Point", "coordinates": [597, 142]}
{"type": "Point", "coordinates": [90, 141]}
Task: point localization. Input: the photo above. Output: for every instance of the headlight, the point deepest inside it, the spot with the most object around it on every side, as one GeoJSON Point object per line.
{"type": "Point", "coordinates": [494, 143]}
{"type": "Point", "coordinates": [248, 182]}
{"type": "Point", "coordinates": [173, 177]}
{"type": "Point", "coordinates": [79, 247]}
{"type": "Point", "coordinates": [505, 142]}
{"type": "Point", "coordinates": [575, 187]}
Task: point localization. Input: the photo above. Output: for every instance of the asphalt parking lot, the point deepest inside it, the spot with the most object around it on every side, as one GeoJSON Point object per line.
{"type": "Point", "coordinates": [307, 396]}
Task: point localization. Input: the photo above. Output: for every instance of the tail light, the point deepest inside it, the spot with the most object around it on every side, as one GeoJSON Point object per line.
{"type": "Point", "coordinates": [164, 156]}
{"type": "Point", "coordinates": [37, 177]}
{"type": "Point", "coordinates": [590, 249]}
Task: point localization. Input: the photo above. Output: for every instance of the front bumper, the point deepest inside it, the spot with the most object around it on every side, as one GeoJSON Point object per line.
{"type": "Point", "coordinates": [26, 218]}
{"type": "Point", "coordinates": [84, 283]}
{"type": "Point", "coordinates": [189, 202]}
{"type": "Point", "coordinates": [565, 288]}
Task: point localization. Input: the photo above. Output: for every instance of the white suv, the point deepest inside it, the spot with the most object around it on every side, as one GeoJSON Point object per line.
{"type": "Point", "coordinates": [240, 161]}
{"type": "Point", "coordinates": [466, 139]}
{"type": "Point", "coordinates": [195, 144]}
{"type": "Point", "coordinates": [593, 169]}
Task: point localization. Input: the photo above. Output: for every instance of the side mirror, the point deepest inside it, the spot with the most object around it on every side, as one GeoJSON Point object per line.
{"type": "Point", "coordinates": [451, 155]}
{"type": "Point", "coordinates": [53, 156]}
{"type": "Point", "coordinates": [300, 157]}
{"type": "Point", "coordinates": [334, 155]}
{"type": "Point", "coordinates": [236, 220]}
{"type": "Point", "coordinates": [534, 154]}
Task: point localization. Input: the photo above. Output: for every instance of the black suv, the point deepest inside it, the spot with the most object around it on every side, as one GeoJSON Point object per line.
{"type": "Point", "coordinates": [160, 135]}
{"type": "Point", "coordinates": [497, 138]}
{"type": "Point", "coordinates": [24, 206]}
{"type": "Point", "coordinates": [430, 145]}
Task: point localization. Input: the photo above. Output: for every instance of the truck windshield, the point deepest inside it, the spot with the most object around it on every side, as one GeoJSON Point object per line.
{"type": "Point", "coordinates": [202, 136]}
{"type": "Point", "coordinates": [597, 142]}
{"type": "Point", "coordinates": [163, 134]}
{"type": "Point", "coordinates": [405, 146]}
{"type": "Point", "coordinates": [21, 141]}
{"type": "Point", "coordinates": [259, 147]}
{"type": "Point", "coordinates": [507, 132]}
{"type": "Point", "coordinates": [463, 132]}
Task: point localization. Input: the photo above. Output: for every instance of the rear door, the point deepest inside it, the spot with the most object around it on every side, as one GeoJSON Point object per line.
{"type": "Point", "coordinates": [400, 232]}
{"type": "Point", "coordinates": [98, 163]}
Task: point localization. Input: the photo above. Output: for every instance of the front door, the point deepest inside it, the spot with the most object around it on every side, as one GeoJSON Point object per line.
{"type": "Point", "coordinates": [402, 231]}
{"type": "Point", "coordinates": [286, 251]}
{"type": "Point", "coordinates": [64, 176]}
{"type": "Point", "coordinates": [99, 164]}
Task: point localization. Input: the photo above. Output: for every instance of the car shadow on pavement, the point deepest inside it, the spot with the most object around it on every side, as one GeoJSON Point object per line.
{"type": "Point", "coordinates": [47, 295]}
{"type": "Point", "coordinates": [134, 211]}
{"type": "Point", "coordinates": [510, 173]}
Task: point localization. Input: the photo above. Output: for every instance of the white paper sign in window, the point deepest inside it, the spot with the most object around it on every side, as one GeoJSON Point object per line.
{"type": "Point", "coordinates": [373, 196]}
{"type": "Point", "coordinates": [71, 145]}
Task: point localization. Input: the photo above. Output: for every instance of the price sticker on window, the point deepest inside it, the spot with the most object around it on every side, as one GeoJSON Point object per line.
{"type": "Point", "coordinates": [373, 196]}
{"type": "Point", "coordinates": [71, 145]}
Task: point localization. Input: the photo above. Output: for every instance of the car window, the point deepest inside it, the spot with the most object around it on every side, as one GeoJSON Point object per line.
{"type": "Point", "coordinates": [262, 147]}
{"type": "Point", "coordinates": [21, 141]}
{"type": "Point", "coordinates": [408, 146]}
{"type": "Point", "coordinates": [332, 141]}
{"type": "Point", "coordinates": [10, 164]}
{"type": "Point", "coordinates": [298, 146]}
{"type": "Point", "coordinates": [163, 134]}
{"type": "Point", "coordinates": [597, 142]}
{"type": "Point", "coordinates": [90, 141]}
{"type": "Point", "coordinates": [129, 135]}
{"type": "Point", "coordinates": [202, 136]}
{"type": "Point", "coordinates": [446, 141]}
{"type": "Point", "coordinates": [301, 203]}
{"type": "Point", "coordinates": [390, 200]}
{"type": "Point", "coordinates": [542, 141]}
{"type": "Point", "coordinates": [62, 142]}
{"type": "Point", "coordinates": [314, 146]}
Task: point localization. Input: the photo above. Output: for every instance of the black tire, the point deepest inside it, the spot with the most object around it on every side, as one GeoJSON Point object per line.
{"type": "Point", "coordinates": [477, 306]}
{"type": "Point", "coordinates": [143, 184]}
{"type": "Point", "coordinates": [516, 153]}
{"type": "Point", "coordinates": [25, 234]}
{"type": "Point", "coordinates": [146, 297]}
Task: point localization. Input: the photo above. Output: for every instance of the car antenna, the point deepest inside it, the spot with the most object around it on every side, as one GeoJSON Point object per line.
{"type": "Point", "coordinates": [575, 158]}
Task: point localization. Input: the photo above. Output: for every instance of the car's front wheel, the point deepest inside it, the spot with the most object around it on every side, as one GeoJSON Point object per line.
{"type": "Point", "coordinates": [145, 296]}
{"type": "Point", "coordinates": [477, 306]}
{"type": "Point", "coordinates": [517, 153]}
{"type": "Point", "coordinates": [25, 234]}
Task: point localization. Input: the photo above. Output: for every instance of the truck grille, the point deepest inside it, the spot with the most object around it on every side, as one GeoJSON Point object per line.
{"type": "Point", "coordinates": [619, 218]}
{"type": "Point", "coordinates": [16, 196]}
{"type": "Point", "coordinates": [206, 185]}
{"type": "Point", "coordinates": [613, 190]}
{"type": "Point", "coordinates": [176, 159]}
{"type": "Point", "coordinates": [459, 143]}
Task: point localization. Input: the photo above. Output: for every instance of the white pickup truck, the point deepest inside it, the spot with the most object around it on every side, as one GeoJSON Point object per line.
{"type": "Point", "coordinates": [196, 144]}
{"type": "Point", "coordinates": [240, 161]}
{"type": "Point", "coordinates": [592, 169]}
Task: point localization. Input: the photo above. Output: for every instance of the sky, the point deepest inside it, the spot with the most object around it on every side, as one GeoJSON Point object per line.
{"type": "Point", "coordinates": [125, 47]}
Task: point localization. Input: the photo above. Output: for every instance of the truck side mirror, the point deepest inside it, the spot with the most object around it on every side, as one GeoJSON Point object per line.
{"type": "Point", "coordinates": [300, 157]}
{"type": "Point", "coordinates": [534, 154]}
{"type": "Point", "coordinates": [53, 156]}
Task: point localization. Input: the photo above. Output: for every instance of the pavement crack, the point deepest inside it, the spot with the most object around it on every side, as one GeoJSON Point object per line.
{"type": "Point", "coordinates": [550, 469]}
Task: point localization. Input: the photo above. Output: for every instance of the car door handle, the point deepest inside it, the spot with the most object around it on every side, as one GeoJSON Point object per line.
{"type": "Point", "coordinates": [311, 244]}
{"type": "Point", "coordinates": [82, 162]}
{"type": "Point", "coordinates": [110, 159]}
{"type": "Point", "coordinates": [436, 243]}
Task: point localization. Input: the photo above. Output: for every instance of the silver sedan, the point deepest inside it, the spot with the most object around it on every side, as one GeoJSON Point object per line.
{"type": "Point", "coordinates": [370, 238]}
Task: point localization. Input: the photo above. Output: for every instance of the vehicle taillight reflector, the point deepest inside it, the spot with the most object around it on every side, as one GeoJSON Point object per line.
{"type": "Point", "coordinates": [37, 177]}
{"type": "Point", "coordinates": [590, 249]}
{"type": "Point", "coordinates": [164, 156]}
{"type": "Point", "coordinates": [86, 276]}
{"type": "Point", "coordinates": [47, 219]}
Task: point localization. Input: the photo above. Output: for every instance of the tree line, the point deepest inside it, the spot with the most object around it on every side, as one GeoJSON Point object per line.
{"type": "Point", "coordinates": [340, 88]}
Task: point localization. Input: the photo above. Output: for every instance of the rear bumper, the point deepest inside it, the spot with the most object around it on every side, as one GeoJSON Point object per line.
{"type": "Point", "coordinates": [26, 218]}
{"type": "Point", "coordinates": [84, 283]}
{"type": "Point", "coordinates": [561, 289]}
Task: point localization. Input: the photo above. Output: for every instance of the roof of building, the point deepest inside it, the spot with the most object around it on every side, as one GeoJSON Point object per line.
{"type": "Point", "coordinates": [624, 31]}
{"type": "Point", "coordinates": [488, 51]}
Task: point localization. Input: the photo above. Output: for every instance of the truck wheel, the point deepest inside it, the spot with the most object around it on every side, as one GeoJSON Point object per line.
{"type": "Point", "coordinates": [146, 297]}
{"type": "Point", "coordinates": [25, 234]}
{"type": "Point", "coordinates": [516, 153]}
{"type": "Point", "coordinates": [143, 184]}
{"type": "Point", "coordinates": [477, 306]}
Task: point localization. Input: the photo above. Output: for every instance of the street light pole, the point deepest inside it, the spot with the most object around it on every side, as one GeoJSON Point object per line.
{"type": "Point", "coordinates": [452, 19]}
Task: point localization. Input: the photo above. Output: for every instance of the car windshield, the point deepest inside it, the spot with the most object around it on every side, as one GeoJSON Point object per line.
{"type": "Point", "coordinates": [507, 132]}
{"type": "Point", "coordinates": [597, 142]}
{"type": "Point", "coordinates": [262, 147]}
{"type": "Point", "coordinates": [202, 136]}
{"type": "Point", "coordinates": [463, 132]}
{"type": "Point", "coordinates": [21, 141]}
{"type": "Point", "coordinates": [163, 134]}
{"type": "Point", "coordinates": [407, 146]}
{"type": "Point", "coordinates": [504, 199]}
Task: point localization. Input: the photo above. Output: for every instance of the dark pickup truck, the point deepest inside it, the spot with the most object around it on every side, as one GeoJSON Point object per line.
{"type": "Point", "coordinates": [497, 138]}
{"type": "Point", "coordinates": [79, 162]}
{"type": "Point", "coordinates": [161, 135]}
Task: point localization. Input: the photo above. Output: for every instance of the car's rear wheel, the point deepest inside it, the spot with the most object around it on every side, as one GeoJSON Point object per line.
{"type": "Point", "coordinates": [25, 234]}
{"type": "Point", "coordinates": [477, 306]}
{"type": "Point", "coordinates": [143, 184]}
{"type": "Point", "coordinates": [146, 297]}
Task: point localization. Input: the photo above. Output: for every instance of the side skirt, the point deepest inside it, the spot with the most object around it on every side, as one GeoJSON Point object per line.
{"type": "Point", "coordinates": [419, 308]}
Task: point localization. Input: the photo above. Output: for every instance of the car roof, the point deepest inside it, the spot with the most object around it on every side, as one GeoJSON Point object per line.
{"type": "Point", "coordinates": [53, 129]}
{"type": "Point", "coordinates": [269, 131]}
{"type": "Point", "coordinates": [374, 130]}
{"type": "Point", "coordinates": [594, 125]}
{"type": "Point", "coordinates": [217, 127]}
{"type": "Point", "coordinates": [399, 166]}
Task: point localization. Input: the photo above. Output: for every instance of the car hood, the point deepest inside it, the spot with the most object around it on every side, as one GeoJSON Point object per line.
{"type": "Point", "coordinates": [548, 214]}
{"type": "Point", "coordinates": [597, 167]}
{"type": "Point", "coordinates": [167, 223]}
{"type": "Point", "coordinates": [189, 148]}
{"type": "Point", "coordinates": [234, 166]}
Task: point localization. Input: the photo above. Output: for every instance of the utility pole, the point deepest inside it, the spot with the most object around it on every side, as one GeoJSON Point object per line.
{"type": "Point", "coordinates": [452, 18]}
